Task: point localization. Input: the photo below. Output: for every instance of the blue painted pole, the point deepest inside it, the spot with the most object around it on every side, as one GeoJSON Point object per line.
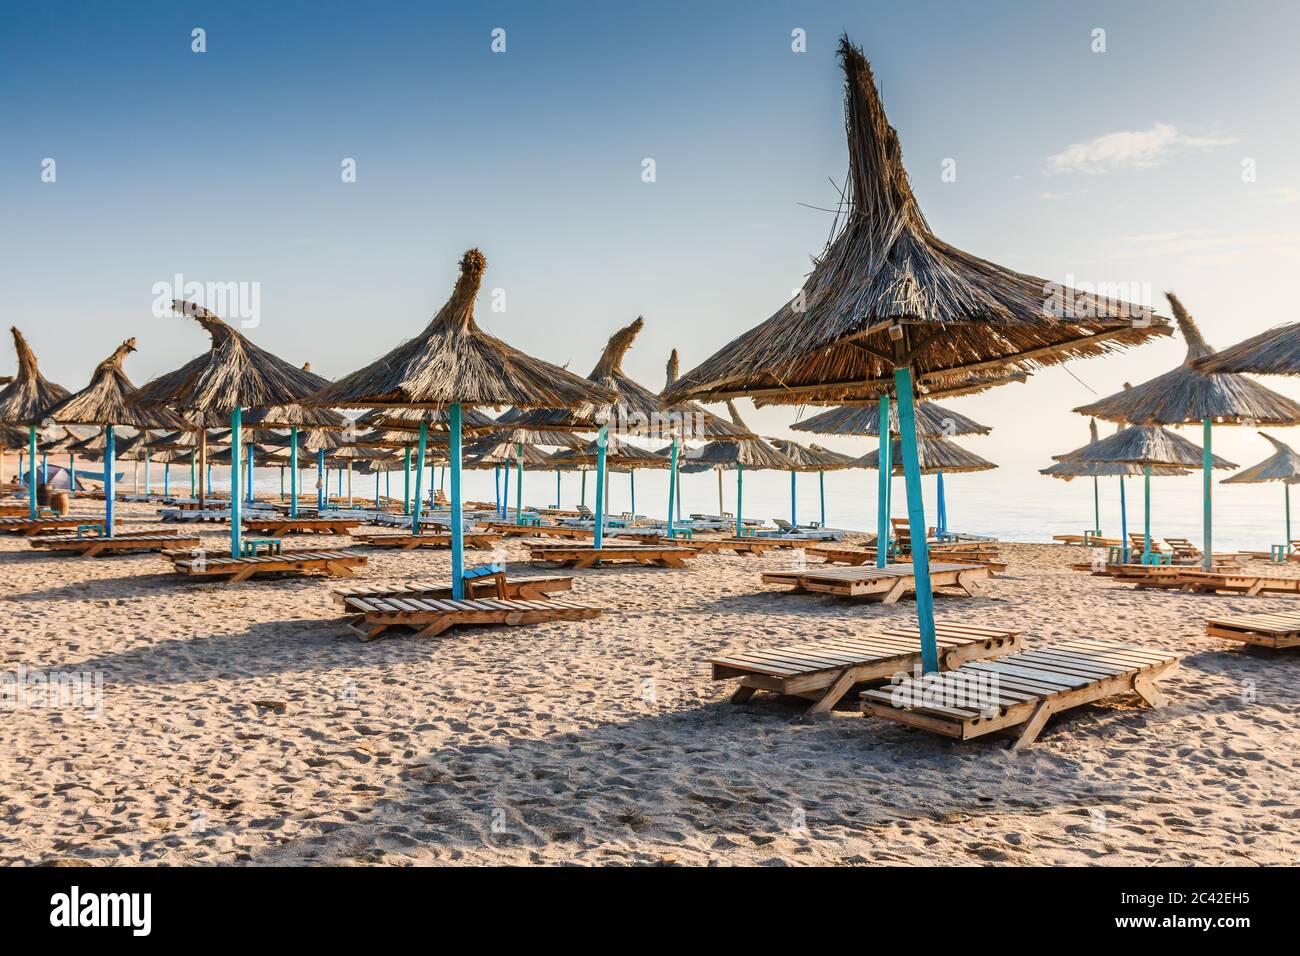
{"type": "Point", "coordinates": [419, 480]}
{"type": "Point", "coordinates": [794, 511]}
{"type": "Point", "coordinates": [146, 473]}
{"type": "Point", "coordinates": [45, 468]}
{"type": "Point", "coordinates": [236, 529]}
{"type": "Point", "coordinates": [941, 504]}
{"type": "Point", "coordinates": [505, 491]}
{"type": "Point", "coordinates": [740, 484]}
{"type": "Point", "coordinates": [602, 439]}
{"type": "Point", "coordinates": [72, 472]}
{"type": "Point", "coordinates": [167, 479]}
{"type": "Point", "coordinates": [251, 452]}
{"type": "Point", "coordinates": [320, 480]}
{"type": "Point", "coordinates": [376, 486]}
{"type": "Point", "coordinates": [1123, 521]}
{"type": "Point", "coordinates": [631, 477]}
{"type": "Point", "coordinates": [110, 484]}
{"type": "Point", "coordinates": [882, 488]}
{"type": "Point", "coordinates": [293, 471]}
{"type": "Point", "coordinates": [672, 486]}
{"type": "Point", "coordinates": [1207, 479]}
{"type": "Point", "coordinates": [916, 520]}
{"type": "Point", "coordinates": [496, 488]}
{"type": "Point", "coordinates": [31, 474]}
{"type": "Point", "coordinates": [406, 481]}
{"type": "Point", "coordinates": [1096, 504]}
{"type": "Point", "coordinates": [1146, 514]}
{"type": "Point", "coordinates": [821, 492]}
{"type": "Point", "coordinates": [457, 510]}
{"type": "Point", "coordinates": [519, 487]}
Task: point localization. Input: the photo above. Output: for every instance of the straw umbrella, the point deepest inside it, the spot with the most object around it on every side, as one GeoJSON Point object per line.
{"type": "Point", "coordinates": [618, 455]}
{"type": "Point", "coordinates": [1187, 396]}
{"type": "Point", "coordinates": [811, 458]}
{"type": "Point", "coordinates": [1283, 465]}
{"type": "Point", "coordinates": [1149, 446]}
{"type": "Point", "coordinates": [504, 449]}
{"type": "Point", "coordinates": [452, 364]}
{"type": "Point", "coordinates": [234, 375]}
{"type": "Point", "coordinates": [935, 455]}
{"type": "Point", "coordinates": [738, 454]}
{"type": "Point", "coordinates": [1275, 352]}
{"type": "Point", "coordinates": [109, 401]}
{"type": "Point", "coordinates": [889, 306]}
{"type": "Point", "coordinates": [25, 402]}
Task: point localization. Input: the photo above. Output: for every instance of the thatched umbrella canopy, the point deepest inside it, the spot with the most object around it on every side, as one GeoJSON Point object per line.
{"type": "Point", "coordinates": [1283, 465]}
{"type": "Point", "coordinates": [437, 420]}
{"type": "Point", "coordinates": [1188, 395]}
{"type": "Point", "coordinates": [25, 401]}
{"type": "Point", "coordinates": [810, 458]}
{"type": "Point", "coordinates": [935, 454]}
{"type": "Point", "coordinates": [453, 364]}
{"type": "Point", "coordinates": [1275, 352]}
{"type": "Point", "coordinates": [932, 421]}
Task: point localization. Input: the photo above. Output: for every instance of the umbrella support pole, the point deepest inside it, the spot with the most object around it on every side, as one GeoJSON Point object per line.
{"type": "Point", "coordinates": [406, 481]}
{"type": "Point", "coordinates": [321, 490]}
{"type": "Point", "coordinates": [147, 489]}
{"type": "Point", "coordinates": [1146, 514]}
{"type": "Point", "coordinates": [882, 488]}
{"type": "Point", "coordinates": [72, 474]}
{"type": "Point", "coordinates": [293, 471]}
{"type": "Point", "coordinates": [672, 487]}
{"type": "Point", "coordinates": [740, 497]}
{"type": "Point", "coordinates": [941, 505]}
{"type": "Point", "coordinates": [557, 489]}
{"type": "Point", "coordinates": [1207, 480]}
{"type": "Point", "coordinates": [110, 491]}
{"type": "Point", "coordinates": [167, 479]}
{"type": "Point", "coordinates": [204, 478]}
{"type": "Point", "coordinates": [1286, 487]}
{"type": "Point", "coordinates": [1096, 506]}
{"type": "Point", "coordinates": [721, 507]}
{"type": "Point", "coordinates": [419, 482]}
{"type": "Point", "coordinates": [821, 493]}
{"type": "Point", "coordinates": [457, 510]}
{"type": "Point", "coordinates": [1123, 520]}
{"type": "Point", "coordinates": [602, 439]}
{"type": "Point", "coordinates": [236, 423]}
{"type": "Point", "coordinates": [519, 487]}
{"type": "Point", "coordinates": [584, 489]}
{"type": "Point", "coordinates": [794, 488]}
{"type": "Point", "coordinates": [916, 519]}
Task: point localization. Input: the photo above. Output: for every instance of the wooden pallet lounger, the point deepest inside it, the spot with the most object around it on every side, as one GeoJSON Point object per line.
{"type": "Point", "coordinates": [475, 540]}
{"type": "Point", "coordinates": [371, 617]}
{"type": "Point", "coordinates": [984, 697]}
{"type": "Point", "coordinates": [524, 589]}
{"type": "Point", "coordinates": [333, 563]}
{"type": "Point", "coordinates": [586, 556]}
{"type": "Point", "coordinates": [1220, 581]}
{"type": "Point", "coordinates": [278, 527]}
{"type": "Point", "coordinates": [511, 530]}
{"type": "Point", "coordinates": [825, 670]}
{"type": "Point", "coordinates": [91, 546]}
{"type": "Point", "coordinates": [886, 584]}
{"type": "Point", "coordinates": [31, 526]}
{"type": "Point", "coordinates": [1276, 630]}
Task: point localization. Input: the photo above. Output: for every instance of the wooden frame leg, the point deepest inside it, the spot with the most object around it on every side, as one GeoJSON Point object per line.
{"type": "Point", "coordinates": [1034, 725]}
{"type": "Point", "coordinates": [336, 570]}
{"type": "Point", "coordinates": [1145, 689]}
{"type": "Point", "coordinates": [243, 574]}
{"type": "Point", "coordinates": [968, 583]}
{"type": "Point", "coordinates": [899, 588]}
{"type": "Point", "coordinates": [437, 627]}
{"type": "Point", "coordinates": [833, 693]}
{"type": "Point", "coordinates": [743, 694]}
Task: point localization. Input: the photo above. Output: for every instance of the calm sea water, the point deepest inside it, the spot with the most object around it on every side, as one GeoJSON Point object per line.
{"type": "Point", "coordinates": [1003, 503]}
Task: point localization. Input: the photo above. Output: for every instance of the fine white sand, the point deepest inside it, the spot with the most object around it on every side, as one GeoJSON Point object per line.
{"type": "Point", "coordinates": [606, 741]}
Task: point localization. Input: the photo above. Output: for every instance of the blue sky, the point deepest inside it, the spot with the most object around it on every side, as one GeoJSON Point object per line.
{"type": "Point", "coordinates": [1122, 166]}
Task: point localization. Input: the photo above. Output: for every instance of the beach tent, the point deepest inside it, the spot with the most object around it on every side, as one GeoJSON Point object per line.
{"type": "Point", "coordinates": [890, 306]}
{"type": "Point", "coordinates": [1186, 395]}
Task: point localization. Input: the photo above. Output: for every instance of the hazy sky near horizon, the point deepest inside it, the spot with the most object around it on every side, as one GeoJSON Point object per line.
{"type": "Point", "coordinates": [1124, 166]}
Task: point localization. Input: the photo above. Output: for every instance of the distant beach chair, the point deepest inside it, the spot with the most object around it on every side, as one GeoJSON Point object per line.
{"type": "Point", "coordinates": [278, 527]}
{"type": "Point", "coordinates": [1022, 690]}
{"type": "Point", "coordinates": [587, 555]}
{"type": "Point", "coordinates": [885, 585]}
{"type": "Point", "coordinates": [371, 617]}
{"type": "Point", "coordinates": [474, 540]}
{"type": "Point", "coordinates": [824, 671]}
{"type": "Point", "coordinates": [1279, 629]}
{"type": "Point", "coordinates": [34, 526]}
{"type": "Point", "coordinates": [534, 588]}
{"type": "Point", "coordinates": [233, 570]}
{"type": "Point", "coordinates": [1219, 581]}
{"type": "Point", "coordinates": [130, 542]}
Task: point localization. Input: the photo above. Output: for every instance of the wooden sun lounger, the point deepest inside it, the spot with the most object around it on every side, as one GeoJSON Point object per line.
{"type": "Point", "coordinates": [371, 617]}
{"type": "Point", "coordinates": [1277, 630]}
{"type": "Point", "coordinates": [1022, 690]}
{"type": "Point", "coordinates": [475, 540]}
{"type": "Point", "coordinates": [825, 670]}
{"type": "Point", "coordinates": [1221, 582]}
{"type": "Point", "coordinates": [746, 547]}
{"type": "Point", "coordinates": [30, 526]}
{"type": "Point", "coordinates": [278, 527]}
{"type": "Point", "coordinates": [14, 510]}
{"type": "Point", "coordinates": [536, 588]}
{"type": "Point", "coordinates": [586, 556]}
{"type": "Point", "coordinates": [885, 584]}
{"type": "Point", "coordinates": [511, 530]}
{"type": "Point", "coordinates": [333, 563]}
{"type": "Point", "coordinates": [92, 546]}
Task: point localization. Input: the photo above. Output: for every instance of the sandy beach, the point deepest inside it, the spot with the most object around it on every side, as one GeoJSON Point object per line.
{"type": "Point", "coordinates": [245, 725]}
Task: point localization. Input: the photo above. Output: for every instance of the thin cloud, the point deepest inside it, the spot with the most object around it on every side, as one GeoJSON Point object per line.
{"type": "Point", "coordinates": [1139, 149]}
{"type": "Point", "coordinates": [1049, 196]}
{"type": "Point", "coordinates": [1203, 247]}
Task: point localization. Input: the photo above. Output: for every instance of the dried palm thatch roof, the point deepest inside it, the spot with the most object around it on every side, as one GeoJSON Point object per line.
{"type": "Point", "coordinates": [1069, 470]}
{"type": "Point", "coordinates": [1143, 445]}
{"type": "Point", "coordinates": [1275, 352]}
{"type": "Point", "coordinates": [454, 361]}
{"type": "Point", "coordinates": [235, 373]}
{"type": "Point", "coordinates": [29, 397]}
{"type": "Point", "coordinates": [1187, 394]}
{"type": "Point", "coordinates": [813, 457]}
{"type": "Point", "coordinates": [472, 421]}
{"type": "Point", "coordinates": [696, 421]}
{"type": "Point", "coordinates": [947, 388]}
{"type": "Point", "coordinates": [934, 455]}
{"type": "Point", "coordinates": [1282, 465]}
{"type": "Point", "coordinates": [752, 454]}
{"type": "Point", "coordinates": [932, 420]}
{"type": "Point", "coordinates": [887, 293]}
{"type": "Point", "coordinates": [619, 456]}
{"type": "Point", "coordinates": [495, 450]}
{"type": "Point", "coordinates": [109, 399]}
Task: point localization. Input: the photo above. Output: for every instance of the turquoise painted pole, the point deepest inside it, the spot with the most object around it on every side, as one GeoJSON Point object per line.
{"type": "Point", "coordinates": [110, 484]}
{"type": "Point", "coordinates": [882, 488]}
{"type": "Point", "coordinates": [740, 484]}
{"type": "Point", "coordinates": [167, 479]}
{"type": "Point", "coordinates": [146, 474]}
{"type": "Point", "coordinates": [602, 439]}
{"type": "Point", "coordinates": [236, 528]}
{"type": "Point", "coordinates": [1096, 504]}
{"type": "Point", "coordinates": [31, 474]}
{"type": "Point", "coordinates": [1123, 520]}
{"type": "Point", "coordinates": [72, 471]}
{"type": "Point", "coordinates": [321, 478]}
{"type": "Point", "coordinates": [419, 482]}
{"type": "Point", "coordinates": [672, 486]}
{"type": "Point", "coordinates": [678, 485]}
{"type": "Point", "coordinates": [505, 491]}
{"type": "Point", "coordinates": [496, 488]}
{"type": "Point", "coordinates": [376, 488]}
{"type": "Point", "coordinates": [45, 468]}
{"type": "Point", "coordinates": [457, 510]}
{"type": "Point", "coordinates": [293, 471]}
{"type": "Point", "coordinates": [519, 487]}
{"type": "Point", "coordinates": [281, 482]}
{"type": "Point", "coordinates": [794, 511]}
{"type": "Point", "coordinates": [916, 520]}
{"type": "Point", "coordinates": [1146, 514]}
{"type": "Point", "coordinates": [251, 452]}
{"type": "Point", "coordinates": [821, 491]}
{"type": "Point", "coordinates": [406, 481]}
{"type": "Point", "coordinates": [1207, 479]}
{"type": "Point", "coordinates": [941, 504]}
